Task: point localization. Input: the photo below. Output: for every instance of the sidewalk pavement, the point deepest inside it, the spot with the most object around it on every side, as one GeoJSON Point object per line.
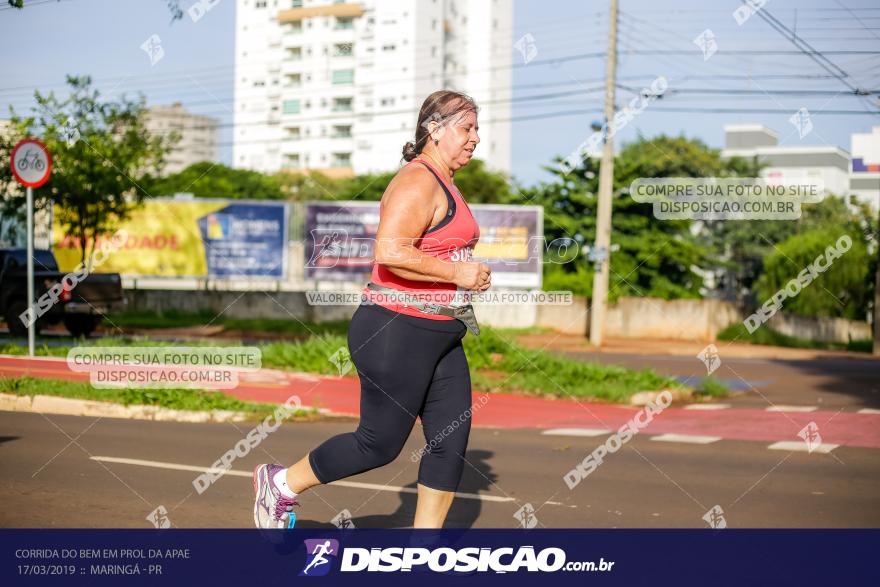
{"type": "Point", "coordinates": [554, 341]}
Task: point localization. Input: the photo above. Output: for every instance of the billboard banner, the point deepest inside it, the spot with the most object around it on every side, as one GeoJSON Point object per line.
{"type": "Point", "coordinates": [193, 238]}
{"type": "Point", "coordinates": [339, 239]}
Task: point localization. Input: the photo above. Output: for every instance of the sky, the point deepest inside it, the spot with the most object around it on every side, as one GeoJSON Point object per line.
{"type": "Point", "coordinates": [557, 92]}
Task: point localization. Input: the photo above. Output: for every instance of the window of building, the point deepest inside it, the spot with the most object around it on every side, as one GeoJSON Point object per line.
{"type": "Point", "coordinates": [342, 104]}
{"type": "Point", "coordinates": [291, 107]}
{"type": "Point", "coordinates": [343, 76]}
{"type": "Point", "coordinates": [344, 22]}
{"type": "Point", "coordinates": [343, 49]}
{"type": "Point", "coordinates": [296, 3]}
{"type": "Point", "coordinates": [292, 161]}
{"type": "Point", "coordinates": [260, 4]}
{"type": "Point", "coordinates": [342, 131]}
{"type": "Point", "coordinates": [294, 133]}
{"type": "Point", "coordinates": [294, 80]}
{"type": "Point", "coordinates": [295, 53]}
{"type": "Point", "coordinates": [341, 160]}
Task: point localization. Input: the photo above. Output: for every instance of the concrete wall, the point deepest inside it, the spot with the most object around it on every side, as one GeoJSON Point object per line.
{"type": "Point", "coordinates": [822, 329]}
{"type": "Point", "coordinates": [647, 318]}
{"type": "Point", "coordinates": [669, 319]}
{"type": "Point", "coordinates": [573, 319]}
{"type": "Point", "coordinates": [237, 304]}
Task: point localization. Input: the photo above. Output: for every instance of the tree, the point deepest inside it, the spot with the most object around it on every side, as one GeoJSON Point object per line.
{"type": "Point", "coordinates": [100, 151]}
{"type": "Point", "coordinates": [841, 291]}
{"type": "Point", "coordinates": [741, 246]}
{"type": "Point", "coordinates": [655, 257]}
{"type": "Point", "coordinates": [215, 180]}
{"type": "Point", "coordinates": [478, 184]}
{"type": "Point", "coordinates": [173, 7]}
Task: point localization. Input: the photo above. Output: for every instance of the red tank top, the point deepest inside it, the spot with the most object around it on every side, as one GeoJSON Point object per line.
{"type": "Point", "coordinates": [452, 239]}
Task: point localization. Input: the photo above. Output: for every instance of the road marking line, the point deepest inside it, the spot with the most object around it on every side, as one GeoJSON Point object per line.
{"type": "Point", "coordinates": [801, 446]}
{"type": "Point", "coordinates": [792, 409]}
{"type": "Point", "coordinates": [249, 474]}
{"type": "Point", "coordinates": [559, 503]}
{"type": "Point", "coordinates": [575, 432]}
{"type": "Point", "coordinates": [707, 406]}
{"type": "Point", "coordinates": [868, 411]}
{"type": "Point", "coordinates": [689, 438]}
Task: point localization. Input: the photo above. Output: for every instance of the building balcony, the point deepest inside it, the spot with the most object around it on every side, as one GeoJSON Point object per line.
{"type": "Point", "coordinates": [348, 9]}
{"type": "Point", "coordinates": [331, 172]}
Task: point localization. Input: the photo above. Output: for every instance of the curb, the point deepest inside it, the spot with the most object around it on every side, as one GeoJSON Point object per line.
{"type": "Point", "coordinates": [47, 404]}
{"type": "Point", "coordinates": [643, 398]}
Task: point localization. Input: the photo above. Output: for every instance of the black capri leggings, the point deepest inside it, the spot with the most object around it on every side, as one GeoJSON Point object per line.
{"type": "Point", "coordinates": [408, 367]}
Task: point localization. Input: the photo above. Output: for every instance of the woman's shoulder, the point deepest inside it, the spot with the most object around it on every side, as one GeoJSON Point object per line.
{"type": "Point", "coordinates": [413, 177]}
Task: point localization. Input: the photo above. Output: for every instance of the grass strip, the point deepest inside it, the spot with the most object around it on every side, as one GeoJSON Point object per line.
{"type": "Point", "coordinates": [175, 399]}
{"type": "Point", "coordinates": [767, 336]}
{"type": "Point", "coordinates": [498, 364]}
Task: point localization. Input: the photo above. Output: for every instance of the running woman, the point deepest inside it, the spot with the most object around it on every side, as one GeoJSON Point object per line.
{"type": "Point", "coordinates": [410, 361]}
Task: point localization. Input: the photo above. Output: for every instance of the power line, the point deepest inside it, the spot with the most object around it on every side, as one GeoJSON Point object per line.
{"type": "Point", "coordinates": [805, 48]}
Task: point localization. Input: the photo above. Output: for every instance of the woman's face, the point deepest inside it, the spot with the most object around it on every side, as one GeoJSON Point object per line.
{"type": "Point", "coordinates": [458, 138]}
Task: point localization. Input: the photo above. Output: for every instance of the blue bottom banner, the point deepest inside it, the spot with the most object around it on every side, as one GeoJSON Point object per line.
{"type": "Point", "coordinates": [374, 557]}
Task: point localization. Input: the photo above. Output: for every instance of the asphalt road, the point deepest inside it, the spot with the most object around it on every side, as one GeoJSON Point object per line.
{"type": "Point", "coordinates": [847, 384]}
{"type": "Point", "coordinates": [51, 478]}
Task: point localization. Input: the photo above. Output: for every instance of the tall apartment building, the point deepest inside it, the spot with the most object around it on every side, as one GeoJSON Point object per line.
{"type": "Point", "coordinates": [198, 135]}
{"type": "Point", "coordinates": [336, 86]}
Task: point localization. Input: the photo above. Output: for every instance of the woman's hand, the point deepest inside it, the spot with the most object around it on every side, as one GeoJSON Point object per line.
{"type": "Point", "coordinates": [473, 276]}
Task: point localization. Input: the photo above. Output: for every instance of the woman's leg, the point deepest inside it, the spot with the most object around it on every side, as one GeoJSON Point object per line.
{"type": "Point", "coordinates": [300, 476]}
{"type": "Point", "coordinates": [432, 507]}
{"type": "Point", "coordinates": [395, 362]}
{"type": "Point", "coordinates": [446, 420]}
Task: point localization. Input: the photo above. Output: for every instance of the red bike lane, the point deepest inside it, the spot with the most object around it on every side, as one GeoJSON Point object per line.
{"type": "Point", "coordinates": [341, 396]}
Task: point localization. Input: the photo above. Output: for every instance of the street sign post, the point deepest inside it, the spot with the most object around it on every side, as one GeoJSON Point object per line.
{"type": "Point", "coordinates": [31, 165]}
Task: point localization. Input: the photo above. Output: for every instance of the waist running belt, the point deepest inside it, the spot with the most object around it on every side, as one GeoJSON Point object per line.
{"type": "Point", "coordinates": [464, 313]}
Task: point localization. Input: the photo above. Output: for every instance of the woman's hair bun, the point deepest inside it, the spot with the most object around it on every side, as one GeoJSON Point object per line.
{"type": "Point", "coordinates": [409, 151]}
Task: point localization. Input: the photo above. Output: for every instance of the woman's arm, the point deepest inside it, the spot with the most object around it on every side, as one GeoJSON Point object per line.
{"type": "Point", "coordinates": [408, 207]}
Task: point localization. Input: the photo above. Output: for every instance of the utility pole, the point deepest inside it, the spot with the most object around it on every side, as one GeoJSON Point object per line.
{"type": "Point", "coordinates": [606, 185]}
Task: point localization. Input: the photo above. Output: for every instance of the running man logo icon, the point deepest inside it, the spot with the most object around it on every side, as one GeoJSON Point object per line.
{"type": "Point", "coordinates": [710, 358]}
{"type": "Point", "coordinates": [715, 518]}
{"type": "Point", "coordinates": [526, 516]}
{"type": "Point", "coordinates": [319, 554]}
{"type": "Point", "coordinates": [802, 122]}
{"type": "Point", "coordinates": [810, 435]}
{"type": "Point", "coordinates": [153, 47]}
{"type": "Point", "coordinates": [707, 43]}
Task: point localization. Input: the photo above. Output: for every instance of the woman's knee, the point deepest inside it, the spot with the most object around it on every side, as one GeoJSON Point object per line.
{"type": "Point", "coordinates": [378, 450]}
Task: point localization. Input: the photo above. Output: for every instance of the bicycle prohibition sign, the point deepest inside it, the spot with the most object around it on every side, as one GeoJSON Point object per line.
{"type": "Point", "coordinates": [31, 163]}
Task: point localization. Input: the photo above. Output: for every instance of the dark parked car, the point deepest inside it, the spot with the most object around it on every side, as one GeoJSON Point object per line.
{"type": "Point", "coordinates": [80, 307]}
